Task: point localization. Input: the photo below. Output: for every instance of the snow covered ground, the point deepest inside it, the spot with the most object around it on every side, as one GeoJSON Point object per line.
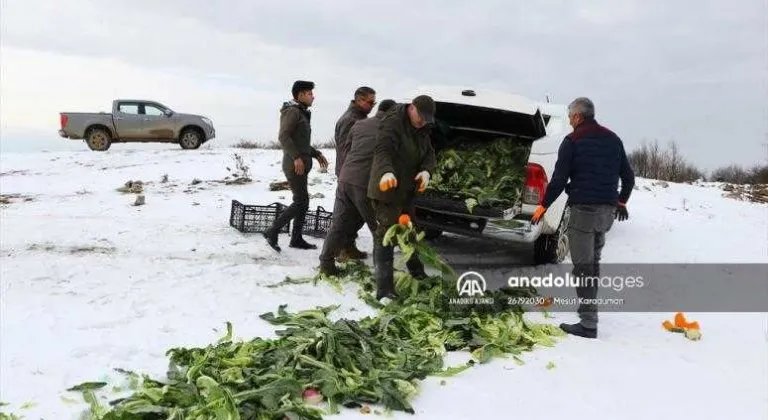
{"type": "Point", "coordinates": [91, 283]}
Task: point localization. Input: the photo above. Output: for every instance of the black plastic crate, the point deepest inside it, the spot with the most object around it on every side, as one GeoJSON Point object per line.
{"type": "Point", "coordinates": [317, 223]}
{"type": "Point", "coordinates": [248, 218]}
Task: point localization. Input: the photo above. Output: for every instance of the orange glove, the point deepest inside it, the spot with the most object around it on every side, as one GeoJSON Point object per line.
{"type": "Point", "coordinates": [537, 214]}
{"type": "Point", "coordinates": [690, 329]}
{"type": "Point", "coordinates": [387, 182]}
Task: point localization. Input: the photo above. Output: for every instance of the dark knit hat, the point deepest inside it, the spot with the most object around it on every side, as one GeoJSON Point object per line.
{"type": "Point", "coordinates": [300, 86]}
{"type": "Point", "coordinates": [426, 107]}
{"type": "Point", "coordinates": [386, 105]}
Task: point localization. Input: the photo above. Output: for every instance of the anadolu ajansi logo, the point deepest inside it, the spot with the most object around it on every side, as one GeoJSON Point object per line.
{"type": "Point", "coordinates": [470, 284]}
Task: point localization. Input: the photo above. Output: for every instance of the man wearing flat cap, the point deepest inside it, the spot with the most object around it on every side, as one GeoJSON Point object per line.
{"type": "Point", "coordinates": [294, 136]}
{"type": "Point", "coordinates": [403, 161]}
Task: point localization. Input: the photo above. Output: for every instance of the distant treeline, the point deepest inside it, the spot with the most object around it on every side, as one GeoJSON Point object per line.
{"type": "Point", "coordinates": [650, 161]}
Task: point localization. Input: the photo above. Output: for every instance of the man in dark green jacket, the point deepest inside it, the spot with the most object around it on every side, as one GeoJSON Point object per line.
{"type": "Point", "coordinates": [402, 165]}
{"type": "Point", "coordinates": [294, 136]}
{"type": "Point", "coordinates": [358, 109]}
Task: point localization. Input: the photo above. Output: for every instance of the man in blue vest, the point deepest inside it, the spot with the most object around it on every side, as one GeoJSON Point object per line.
{"type": "Point", "coordinates": [592, 157]}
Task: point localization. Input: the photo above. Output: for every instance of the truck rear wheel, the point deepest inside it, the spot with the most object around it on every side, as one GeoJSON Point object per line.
{"type": "Point", "coordinates": [190, 139]}
{"type": "Point", "coordinates": [98, 139]}
{"type": "Point", "coordinates": [552, 249]}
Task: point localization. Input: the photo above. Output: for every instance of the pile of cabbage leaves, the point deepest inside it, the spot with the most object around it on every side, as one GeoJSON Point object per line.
{"type": "Point", "coordinates": [317, 365]}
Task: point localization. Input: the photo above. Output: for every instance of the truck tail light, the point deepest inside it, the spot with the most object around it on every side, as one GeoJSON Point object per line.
{"type": "Point", "coordinates": [535, 184]}
{"type": "Point", "coordinates": [63, 119]}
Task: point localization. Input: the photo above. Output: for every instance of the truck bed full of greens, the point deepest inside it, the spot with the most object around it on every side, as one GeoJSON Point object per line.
{"type": "Point", "coordinates": [480, 172]}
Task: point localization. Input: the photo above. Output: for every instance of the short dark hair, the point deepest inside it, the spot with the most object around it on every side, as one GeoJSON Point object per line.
{"type": "Point", "coordinates": [301, 86]}
{"type": "Point", "coordinates": [386, 105]}
{"type": "Point", "coordinates": [364, 91]}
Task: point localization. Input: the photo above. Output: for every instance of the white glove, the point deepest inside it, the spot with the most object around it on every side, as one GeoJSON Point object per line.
{"type": "Point", "coordinates": [423, 178]}
{"type": "Point", "coordinates": [387, 182]}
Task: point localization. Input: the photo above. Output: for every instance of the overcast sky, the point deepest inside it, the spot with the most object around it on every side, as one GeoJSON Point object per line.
{"type": "Point", "coordinates": [695, 72]}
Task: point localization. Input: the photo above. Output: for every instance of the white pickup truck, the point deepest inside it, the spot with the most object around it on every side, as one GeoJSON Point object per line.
{"type": "Point", "coordinates": [540, 125]}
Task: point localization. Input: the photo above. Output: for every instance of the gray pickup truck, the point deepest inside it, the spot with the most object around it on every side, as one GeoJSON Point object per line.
{"type": "Point", "coordinates": [136, 121]}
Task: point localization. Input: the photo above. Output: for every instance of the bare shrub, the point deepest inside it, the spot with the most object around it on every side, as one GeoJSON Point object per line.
{"type": "Point", "coordinates": [327, 144]}
{"type": "Point", "coordinates": [249, 144]}
{"type": "Point", "coordinates": [759, 174]}
{"type": "Point", "coordinates": [649, 161]}
{"type": "Point", "coordinates": [275, 145]}
{"type": "Point", "coordinates": [735, 174]}
{"type": "Point", "coordinates": [242, 172]}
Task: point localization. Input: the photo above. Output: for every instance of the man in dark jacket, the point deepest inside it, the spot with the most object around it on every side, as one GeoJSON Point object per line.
{"type": "Point", "coordinates": [594, 160]}
{"type": "Point", "coordinates": [294, 136]}
{"type": "Point", "coordinates": [402, 165]}
{"type": "Point", "coordinates": [358, 109]}
{"type": "Point", "coordinates": [352, 204]}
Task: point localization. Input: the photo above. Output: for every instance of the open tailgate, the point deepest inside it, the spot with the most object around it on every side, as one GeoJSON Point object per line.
{"type": "Point", "coordinates": [475, 118]}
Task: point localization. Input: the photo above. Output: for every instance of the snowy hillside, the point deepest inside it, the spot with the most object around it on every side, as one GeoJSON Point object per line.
{"type": "Point", "coordinates": [91, 283]}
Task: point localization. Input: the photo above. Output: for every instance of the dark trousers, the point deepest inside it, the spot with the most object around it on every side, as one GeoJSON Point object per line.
{"type": "Point", "coordinates": [351, 210]}
{"type": "Point", "coordinates": [351, 236]}
{"type": "Point", "coordinates": [297, 211]}
{"type": "Point", "coordinates": [357, 219]}
{"type": "Point", "coordinates": [387, 214]}
{"type": "Point", "coordinates": [587, 227]}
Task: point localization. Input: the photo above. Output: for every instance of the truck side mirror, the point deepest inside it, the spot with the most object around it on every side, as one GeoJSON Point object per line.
{"type": "Point", "coordinates": [168, 113]}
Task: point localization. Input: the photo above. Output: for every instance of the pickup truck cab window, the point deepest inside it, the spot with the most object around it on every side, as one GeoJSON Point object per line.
{"type": "Point", "coordinates": [153, 111]}
{"type": "Point", "coordinates": [140, 108]}
{"type": "Point", "coordinates": [128, 108]}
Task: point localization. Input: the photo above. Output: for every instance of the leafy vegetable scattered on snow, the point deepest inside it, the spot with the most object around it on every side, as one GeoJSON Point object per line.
{"type": "Point", "coordinates": [316, 365]}
{"type": "Point", "coordinates": [8, 416]}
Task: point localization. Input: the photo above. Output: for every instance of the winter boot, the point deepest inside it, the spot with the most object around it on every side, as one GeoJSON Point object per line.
{"type": "Point", "coordinates": [297, 241]}
{"type": "Point", "coordinates": [384, 271]}
{"type": "Point", "coordinates": [329, 268]}
{"type": "Point", "coordinates": [352, 253]}
{"type": "Point", "coordinates": [302, 244]}
{"type": "Point", "coordinates": [579, 330]}
{"type": "Point", "coordinates": [271, 236]}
